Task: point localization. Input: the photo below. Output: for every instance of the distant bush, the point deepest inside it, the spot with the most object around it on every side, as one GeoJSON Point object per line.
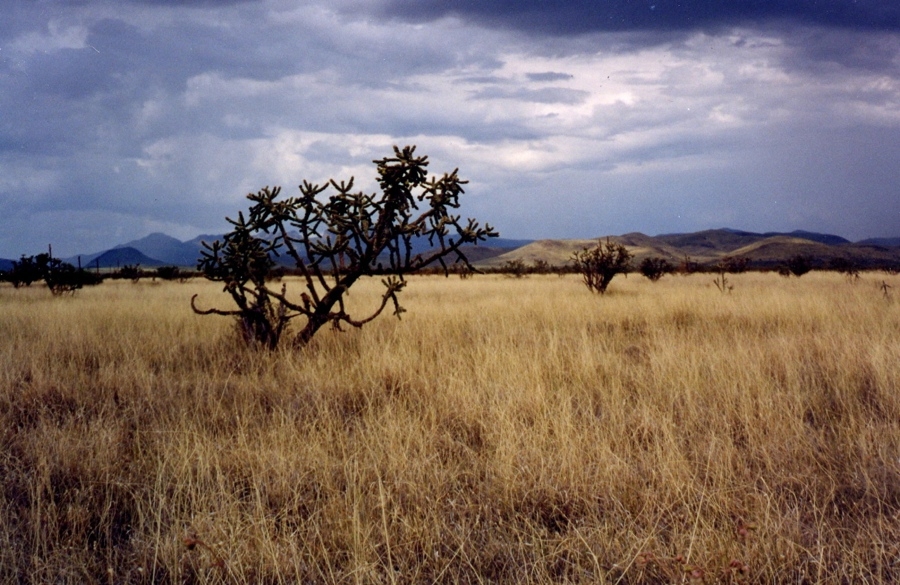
{"type": "Point", "coordinates": [655, 268]}
{"type": "Point", "coordinates": [171, 273]}
{"type": "Point", "coordinates": [844, 266]}
{"type": "Point", "coordinates": [733, 265]}
{"type": "Point", "coordinates": [63, 278]}
{"type": "Point", "coordinates": [25, 271]}
{"type": "Point", "coordinates": [599, 265]}
{"type": "Point", "coordinates": [130, 272]}
{"type": "Point", "coordinates": [515, 268]}
{"type": "Point", "coordinates": [60, 277]}
{"type": "Point", "coordinates": [540, 267]}
{"type": "Point", "coordinates": [798, 265]}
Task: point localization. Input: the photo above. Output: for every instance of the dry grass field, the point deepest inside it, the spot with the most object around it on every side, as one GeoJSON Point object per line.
{"type": "Point", "coordinates": [505, 431]}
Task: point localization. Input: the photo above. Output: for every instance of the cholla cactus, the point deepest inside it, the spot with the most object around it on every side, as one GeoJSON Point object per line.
{"type": "Point", "coordinates": [600, 264]}
{"type": "Point", "coordinates": [333, 242]}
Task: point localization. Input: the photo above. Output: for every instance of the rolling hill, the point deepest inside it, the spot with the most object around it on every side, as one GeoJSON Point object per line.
{"type": "Point", "coordinates": [881, 242]}
{"type": "Point", "coordinates": [167, 249]}
{"type": "Point", "coordinates": [708, 247]}
{"type": "Point", "coordinates": [118, 257]}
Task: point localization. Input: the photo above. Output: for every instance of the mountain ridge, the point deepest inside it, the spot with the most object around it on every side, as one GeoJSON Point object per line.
{"type": "Point", "coordinates": [762, 250]}
{"type": "Point", "coordinates": [709, 247]}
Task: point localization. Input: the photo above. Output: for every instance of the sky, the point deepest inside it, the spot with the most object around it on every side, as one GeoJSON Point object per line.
{"type": "Point", "coordinates": [570, 119]}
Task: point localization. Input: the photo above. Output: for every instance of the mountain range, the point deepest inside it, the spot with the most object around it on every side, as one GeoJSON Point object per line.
{"type": "Point", "coordinates": [708, 247]}
{"type": "Point", "coordinates": [159, 249]}
{"type": "Point", "coordinates": [762, 250]}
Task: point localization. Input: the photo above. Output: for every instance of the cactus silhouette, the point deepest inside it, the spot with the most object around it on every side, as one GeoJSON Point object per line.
{"type": "Point", "coordinates": [333, 240]}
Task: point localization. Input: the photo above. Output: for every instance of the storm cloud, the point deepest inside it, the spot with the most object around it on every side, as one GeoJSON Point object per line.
{"type": "Point", "coordinates": [121, 119]}
{"type": "Point", "coordinates": [567, 17]}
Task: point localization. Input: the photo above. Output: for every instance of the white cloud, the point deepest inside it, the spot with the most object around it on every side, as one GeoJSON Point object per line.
{"type": "Point", "coordinates": [56, 36]}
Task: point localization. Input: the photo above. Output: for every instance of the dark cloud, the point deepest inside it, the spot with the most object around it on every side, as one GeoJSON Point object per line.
{"type": "Point", "coordinates": [194, 3]}
{"type": "Point", "coordinates": [122, 118]}
{"type": "Point", "coordinates": [566, 17]}
{"type": "Point", "coordinates": [822, 51]}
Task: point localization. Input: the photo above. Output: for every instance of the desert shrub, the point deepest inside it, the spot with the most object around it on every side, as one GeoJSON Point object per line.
{"type": "Point", "coordinates": [60, 277]}
{"type": "Point", "coordinates": [130, 272]}
{"type": "Point", "coordinates": [333, 242]}
{"type": "Point", "coordinates": [655, 268]}
{"type": "Point", "coordinates": [540, 266]}
{"type": "Point", "coordinates": [63, 278]}
{"type": "Point", "coordinates": [733, 265]}
{"type": "Point", "coordinates": [24, 272]}
{"type": "Point", "coordinates": [171, 273]}
{"type": "Point", "coordinates": [798, 265]}
{"type": "Point", "coordinates": [514, 268]}
{"type": "Point", "coordinates": [845, 266]}
{"type": "Point", "coordinates": [599, 265]}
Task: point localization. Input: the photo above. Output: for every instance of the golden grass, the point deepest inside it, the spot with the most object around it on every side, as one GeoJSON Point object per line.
{"type": "Point", "coordinates": [507, 430]}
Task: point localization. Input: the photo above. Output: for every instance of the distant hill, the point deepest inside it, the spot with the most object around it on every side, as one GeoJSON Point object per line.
{"type": "Point", "coordinates": [555, 252]}
{"type": "Point", "coordinates": [708, 247]}
{"type": "Point", "coordinates": [709, 244]}
{"type": "Point", "coordinates": [118, 257]}
{"type": "Point", "coordinates": [776, 250]}
{"type": "Point", "coordinates": [167, 249]}
{"type": "Point", "coordinates": [5, 264]}
{"type": "Point", "coordinates": [829, 239]}
{"type": "Point", "coordinates": [480, 253]}
{"type": "Point", "coordinates": [208, 238]}
{"type": "Point", "coordinates": [887, 242]}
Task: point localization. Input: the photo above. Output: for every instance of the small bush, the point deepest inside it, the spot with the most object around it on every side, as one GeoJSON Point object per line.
{"type": "Point", "coordinates": [655, 268]}
{"type": "Point", "coordinates": [798, 265]}
{"type": "Point", "coordinates": [25, 271]}
{"type": "Point", "coordinates": [733, 265]}
{"type": "Point", "coordinates": [130, 272]}
{"type": "Point", "coordinates": [844, 266]}
{"type": "Point", "coordinates": [541, 267]}
{"type": "Point", "coordinates": [171, 273]}
{"type": "Point", "coordinates": [514, 268]}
